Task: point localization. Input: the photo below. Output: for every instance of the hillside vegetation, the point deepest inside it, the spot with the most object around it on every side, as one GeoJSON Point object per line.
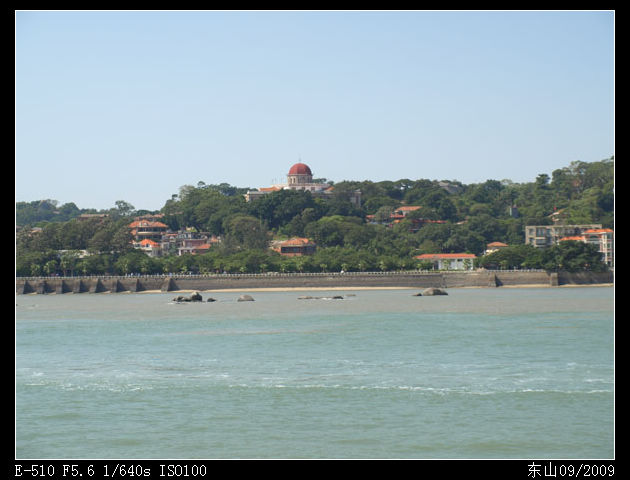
{"type": "Point", "coordinates": [453, 218]}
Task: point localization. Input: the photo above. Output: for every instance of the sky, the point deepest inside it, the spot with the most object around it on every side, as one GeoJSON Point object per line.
{"type": "Point", "coordinates": [133, 105]}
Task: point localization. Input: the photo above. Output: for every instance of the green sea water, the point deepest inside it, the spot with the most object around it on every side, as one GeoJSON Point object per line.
{"type": "Point", "coordinates": [480, 373]}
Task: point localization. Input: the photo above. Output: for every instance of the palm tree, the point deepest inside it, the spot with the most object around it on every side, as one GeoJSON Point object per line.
{"type": "Point", "coordinates": [36, 269]}
{"type": "Point", "coordinates": [50, 267]}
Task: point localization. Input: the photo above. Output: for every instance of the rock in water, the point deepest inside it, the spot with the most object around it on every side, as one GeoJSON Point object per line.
{"type": "Point", "coordinates": [245, 298]}
{"type": "Point", "coordinates": [196, 297]}
{"type": "Point", "coordinates": [428, 292]}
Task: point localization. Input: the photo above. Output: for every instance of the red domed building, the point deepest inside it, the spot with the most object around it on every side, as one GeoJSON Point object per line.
{"type": "Point", "coordinates": [300, 169]}
{"type": "Point", "coordinates": [300, 177]}
{"type": "Point", "coordinates": [299, 174]}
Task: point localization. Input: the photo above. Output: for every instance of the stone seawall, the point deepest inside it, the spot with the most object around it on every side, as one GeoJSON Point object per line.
{"type": "Point", "coordinates": [61, 285]}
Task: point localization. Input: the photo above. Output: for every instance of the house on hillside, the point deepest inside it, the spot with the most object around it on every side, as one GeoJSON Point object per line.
{"type": "Point", "coordinates": [148, 246]}
{"type": "Point", "coordinates": [449, 261]}
{"type": "Point", "coordinates": [153, 237]}
{"type": "Point", "coordinates": [494, 247]}
{"type": "Point", "coordinates": [399, 214]}
{"type": "Point", "coordinates": [295, 247]}
{"type": "Point", "coordinates": [147, 229]}
{"type": "Point", "coordinates": [194, 246]}
{"type": "Point", "coordinates": [602, 238]}
{"type": "Point", "coordinates": [406, 210]}
{"type": "Point", "coordinates": [542, 236]}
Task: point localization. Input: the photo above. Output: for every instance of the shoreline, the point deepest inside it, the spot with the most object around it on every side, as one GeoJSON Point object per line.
{"type": "Point", "coordinates": [310, 289]}
{"type": "Point", "coordinates": [319, 289]}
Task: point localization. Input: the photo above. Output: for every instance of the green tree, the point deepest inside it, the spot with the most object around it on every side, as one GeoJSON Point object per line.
{"type": "Point", "coordinates": [35, 270]}
{"type": "Point", "coordinates": [279, 208]}
{"type": "Point", "coordinates": [383, 214]}
{"type": "Point", "coordinates": [339, 230]}
{"type": "Point", "coordinates": [513, 256]}
{"type": "Point", "coordinates": [245, 232]}
{"type": "Point", "coordinates": [123, 208]}
{"type": "Point", "coordinates": [573, 256]}
{"type": "Point", "coordinates": [68, 262]}
{"type": "Point", "coordinates": [374, 204]}
{"type": "Point", "coordinates": [50, 267]}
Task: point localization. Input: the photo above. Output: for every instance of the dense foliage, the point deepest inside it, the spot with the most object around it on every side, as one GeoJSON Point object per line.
{"type": "Point", "coordinates": [453, 218]}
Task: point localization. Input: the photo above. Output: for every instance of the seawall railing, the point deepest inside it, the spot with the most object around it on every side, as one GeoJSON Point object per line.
{"type": "Point", "coordinates": [218, 281]}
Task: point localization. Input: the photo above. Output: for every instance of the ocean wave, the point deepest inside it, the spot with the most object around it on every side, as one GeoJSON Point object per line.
{"type": "Point", "coordinates": [418, 389]}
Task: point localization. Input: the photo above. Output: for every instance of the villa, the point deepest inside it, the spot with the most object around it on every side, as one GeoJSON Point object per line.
{"type": "Point", "coordinates": [449, 261]}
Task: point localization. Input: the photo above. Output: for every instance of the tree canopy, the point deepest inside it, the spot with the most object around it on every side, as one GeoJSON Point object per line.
{"type": "Point", "coordinates": [452, 218]}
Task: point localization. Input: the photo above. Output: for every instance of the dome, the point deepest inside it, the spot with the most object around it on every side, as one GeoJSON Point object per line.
{"type": "Point", "coordinates": [300, 169]}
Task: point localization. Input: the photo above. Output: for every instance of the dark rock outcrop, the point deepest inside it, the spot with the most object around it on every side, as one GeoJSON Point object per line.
{"type": "Point", "coordinates": [430, 292]}
{"type": "Point", "coordinates": [194, 297]}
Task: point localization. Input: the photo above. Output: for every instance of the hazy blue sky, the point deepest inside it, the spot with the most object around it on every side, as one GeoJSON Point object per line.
{"type": "Point", "coordinates": [133, 105]}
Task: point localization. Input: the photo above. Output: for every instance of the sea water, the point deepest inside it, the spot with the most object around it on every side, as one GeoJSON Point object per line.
{"type": "Point", "coordinates": [479, 373]}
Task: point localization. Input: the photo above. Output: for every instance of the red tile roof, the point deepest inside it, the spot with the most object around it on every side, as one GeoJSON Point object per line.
{"type": "Point", "coordinates": [150, 243]}
{"type": "Point", "coordinates": [296, 242]}
{"type": "Point", "coordinates": [576, 238]}
{"type": "Point", "coordinates": [146, 223]}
